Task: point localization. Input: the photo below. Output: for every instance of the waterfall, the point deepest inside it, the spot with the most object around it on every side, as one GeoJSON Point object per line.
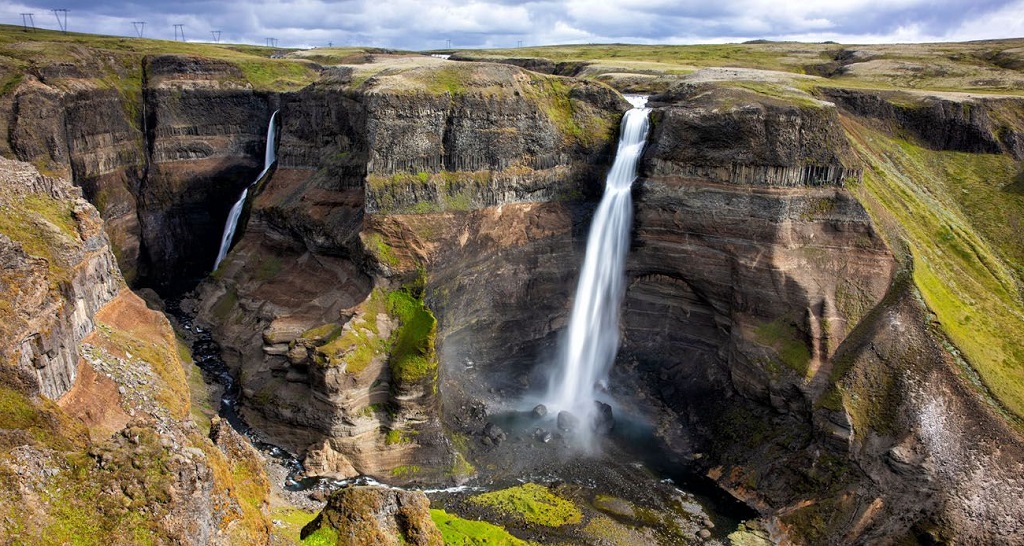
{"type": "Point", "coordinates": [269, 157]}
{"type": "Point", "coordinates": [592, 339]}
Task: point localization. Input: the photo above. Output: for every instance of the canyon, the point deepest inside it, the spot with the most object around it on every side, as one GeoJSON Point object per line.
{"type": "Point", "coordinates": [791, 327]}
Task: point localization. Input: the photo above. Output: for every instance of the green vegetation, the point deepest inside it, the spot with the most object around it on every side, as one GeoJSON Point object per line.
{"type": "Point", "coordinates": [412, 355]}
{"type": "Point", "coordinates": [44, 227]}
{"type": "Point", "coordinates": [463, 532]}
{"type": "Point", "coordinates": [115, 62]}
{"type": "Point", "coordinates": [453, 191]}
{"type": "Point", "coordinates": [406, 471]}
{"type": "Point", "coordinates": [783, 336]}
{"type": "Point", "coordinates": [359, 341]}
{"type": "Point", "coordinates": [374, 242]}
{"type": "Point", "coordinates": [324, 536]}
{"type": "Point", "coordinates": [961, 219]}
{"type": "Point", "coordinates": [288, 523]}
{"type": "Point", "coordinates": [531, 503]}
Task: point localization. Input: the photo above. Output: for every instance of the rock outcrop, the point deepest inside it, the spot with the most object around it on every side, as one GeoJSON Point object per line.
{"type": "Point", "coordinates": [58, 271]}
{"type": "Point", "coordinates": [95, 434]}
{"type": "Point", "coordinates": [356, 516]}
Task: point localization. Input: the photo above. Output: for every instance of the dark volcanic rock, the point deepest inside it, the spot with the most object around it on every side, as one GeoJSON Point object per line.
{"type": "Point", "coordinates": [494, 433]}
{"type": "Point", "coordinates": [540, 410]}
{"type": "Point", "coordinates": [567, 422]}
{"type": "Point", "coordinates": [603, 422]}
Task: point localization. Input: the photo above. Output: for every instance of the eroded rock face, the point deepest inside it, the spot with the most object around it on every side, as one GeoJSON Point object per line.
{"type": "Point", "coordinates": [58, 271]}
{"type": "Point", "coordinates": [163, 162]}
{"type": "Point", "coordinates": [99, 436]}
{"type": "Point", "coordinates": [375, 515]}
{"type": "Point", "coordinates": [312, 270]}
{"type": "Point", "coordinates": [942, 121]}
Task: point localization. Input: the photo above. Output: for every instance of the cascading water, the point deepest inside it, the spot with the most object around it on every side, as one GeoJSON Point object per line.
{"type": "Point", "coordinates": [593, 335]}
{"type": "Point", "coordinates": [231, 225]}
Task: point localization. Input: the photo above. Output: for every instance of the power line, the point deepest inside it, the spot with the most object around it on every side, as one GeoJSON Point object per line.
{"type": "Point", "coordinates": [179, 28]}
{"type": "Point", "coordinates": [27, 22]}
{"type": "Point", "coordinates": [271, 42]}
{"type": "Point", "coordinates": [63, 24]}
{"type": "Point", "coordinates": [216, 35]}
{"type": "Point", "coordinates": [140, 27]}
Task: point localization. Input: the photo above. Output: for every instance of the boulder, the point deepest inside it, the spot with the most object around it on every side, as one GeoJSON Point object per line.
{"type": "Point", "coordinates": [567, 422]}
{"type": "Point", "coordinates": [603, 422]}
{"type": "Point", "coordinates": [367, 515]}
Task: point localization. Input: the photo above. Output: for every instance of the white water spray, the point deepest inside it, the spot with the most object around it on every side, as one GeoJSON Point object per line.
{"type": "Point", "coordinates": [269, 157]}
{"type": "Point", "coordinates": [593, 336]}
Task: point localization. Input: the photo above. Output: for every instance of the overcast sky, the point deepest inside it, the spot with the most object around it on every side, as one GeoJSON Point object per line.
{"type": "Point", "coordinates": [418, 24]}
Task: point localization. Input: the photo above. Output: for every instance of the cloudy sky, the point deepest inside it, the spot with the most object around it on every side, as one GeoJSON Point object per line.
{"type": "Point", "coordinates": [423, 24]}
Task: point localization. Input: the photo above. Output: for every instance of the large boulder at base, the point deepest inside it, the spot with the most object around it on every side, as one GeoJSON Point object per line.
{"type": "Point", "coordinates": [376, 516]}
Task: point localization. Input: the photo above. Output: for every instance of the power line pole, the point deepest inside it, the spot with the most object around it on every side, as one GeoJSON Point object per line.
{"type": "Point", "coordinates": [216, 35]}
{"type": "Point", "coordinates": [449, 44]}
{"type": "Point", "coordinates": [519, 43]}
{"type": "Point", "coordinates": [27, 22]}
{"type": "Point", "coordinates": [63, 24]}
{"type": "Point", "coordinates": [271, 42]}
{"type": "Point", "coordinates": [179, 28]}
{"type": "Point", "coordinates": [140, 27]}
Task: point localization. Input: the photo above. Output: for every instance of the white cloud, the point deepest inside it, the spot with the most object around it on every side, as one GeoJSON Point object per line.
{"type": "Point", "coordinates": [422, 24]}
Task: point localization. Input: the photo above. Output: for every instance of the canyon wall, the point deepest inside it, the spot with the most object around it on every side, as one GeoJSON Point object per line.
{"type": "Point", "coordinates": [96, 435]}
{"type": "Point", "coordinates": [408, 265]}
{"type": "Point", "coordinates": [331, 256]}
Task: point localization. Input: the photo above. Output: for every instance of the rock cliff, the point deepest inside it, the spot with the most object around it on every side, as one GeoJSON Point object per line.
{"type": "Point", "coordinates": [317, 301]}
{"type": "Point", "coordinates": [95, 433]}
{"type": "Point", "coordinates": [408, 265]}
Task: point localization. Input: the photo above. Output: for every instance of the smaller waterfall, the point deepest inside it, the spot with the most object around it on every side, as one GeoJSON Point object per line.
{"type": "Point", "coordinates": [592, 339]}
{"type": "Point", "coordinates": [269, 157]}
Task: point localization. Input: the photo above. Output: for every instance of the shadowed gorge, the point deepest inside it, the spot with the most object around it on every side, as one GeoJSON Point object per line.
{"type": "Point", "coordinates": [818, 340]}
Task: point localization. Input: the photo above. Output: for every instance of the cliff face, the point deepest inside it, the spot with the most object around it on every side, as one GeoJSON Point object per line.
{"type": "Point", "coordinates": [771, 284]}
{"type": "Point", "coordinates": [327, 261]}
{"type": "Point", "coordinates": [95, 433]}
{"type": "Point", "coordinates": [162, 157]}
{"type": "Point", "coordinates": [58, 271]}
{"type": "Point", "coordinates": [412, 257]}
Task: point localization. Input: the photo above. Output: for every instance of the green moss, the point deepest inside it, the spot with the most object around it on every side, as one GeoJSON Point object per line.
{"type": "Point", "coordinates": [611, 532]}
{"type": "Point", "coordinates": [394, 436]}
{"type": "Point", "coordinates": [412, 356]}
{"type": "Point", "coordinates": [381, 250]}
{"type": "Point", "coordinates": [532, 503]}
{"type": "Point", "coordinates": [324, 536]}
{"type": "Point", "coordinates": [323, 333]}
{"type": "Point", "coordinates": [461, 468]}
{"type": "Point", "coordinates": [406, 471]}
{"type": "Point", "coordinates": [288, 523]}
{"type": "Point", "coordinates": [787, 341]}
{"type": "Point", "coordinates": [358, 344]}
{"type": "Point", "coordinates": [463, 532]}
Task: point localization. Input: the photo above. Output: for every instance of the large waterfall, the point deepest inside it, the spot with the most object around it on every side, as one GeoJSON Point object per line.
{"type": "Point", "coordinates": [593, 336]}
{"type": "Point", "coordinates": [269, 157]}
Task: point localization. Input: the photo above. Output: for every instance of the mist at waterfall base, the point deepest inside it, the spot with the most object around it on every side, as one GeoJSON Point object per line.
{"type": "Point", "coordinates": [269, 157]}
{"type": "Point", "coordinates": [591, 341]}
